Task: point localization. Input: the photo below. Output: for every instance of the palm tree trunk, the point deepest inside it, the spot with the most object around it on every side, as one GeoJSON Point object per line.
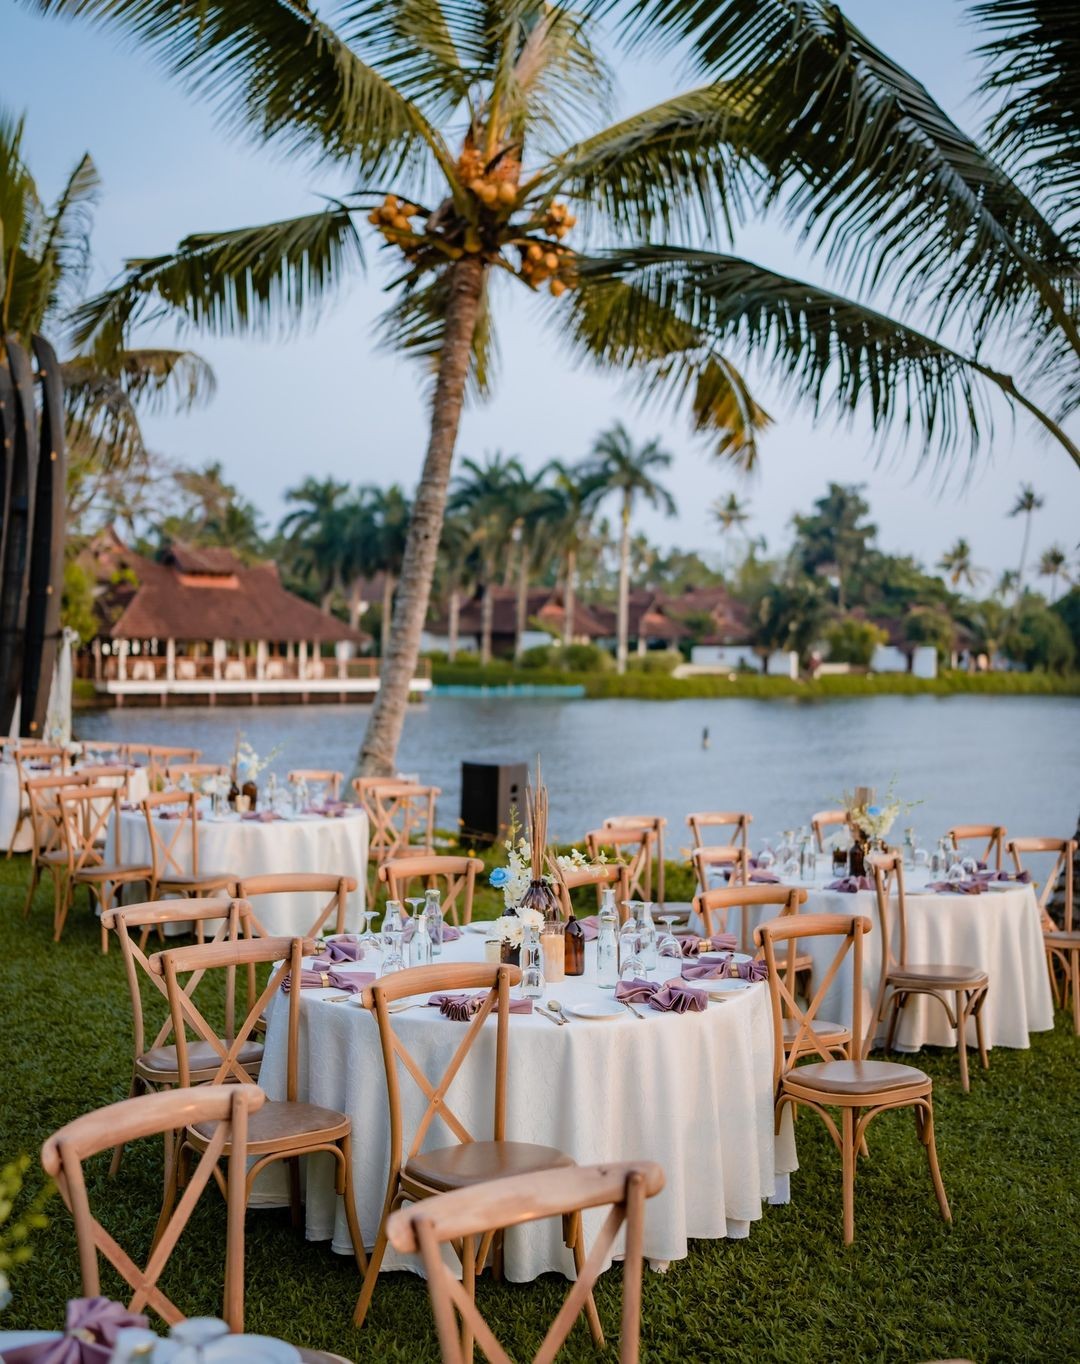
{"type": "Point", "coordinates": [389, 583]}
{"type": "Point", "coordinates": [522, 601]}
{"type": "Point", "coordinates": [455, 616]}
{"type": "Point", "coordinates": [356, 602]}
{"type": "Point", "coordinates": [569, 593]}
{"type": "Point", "coordinates": [622, 642]}
{"type": "Point", "coordinates": [378, 751]}
{"type": "Point", "coordinates": [1023, 556]}
{"type": "Point", "coordinates": [487, 614]}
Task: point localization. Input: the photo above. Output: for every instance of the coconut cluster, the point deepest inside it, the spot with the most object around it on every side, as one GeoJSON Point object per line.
{"type": "Point", "coordinates": [393, 218]}
{"type": "Point", "coordinates": [541, 262]}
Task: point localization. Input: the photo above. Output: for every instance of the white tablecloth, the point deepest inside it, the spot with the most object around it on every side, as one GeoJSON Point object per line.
{"type": "Point", "coordinates": [692, 1091]}
{"type": "Point", "coordinates": [10, 800]}
{"type": "Point", "coordinates": [310, 843]}
{"type": "Point", "coordinates": [998, 930]}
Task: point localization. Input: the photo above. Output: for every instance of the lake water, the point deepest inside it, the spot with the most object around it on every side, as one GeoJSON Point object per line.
{"type": "Point", "coordinates": [968, 759]}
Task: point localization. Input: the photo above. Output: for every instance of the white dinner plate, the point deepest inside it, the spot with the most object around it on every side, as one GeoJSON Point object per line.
{"type": "Point", "coordinates": [1005, 885]}
{"type": "Point", "coordinates": [710, 957]}
{"type": "Point", "coordinates": [601, 1008]}
{"type": "Point", "coordinates": [723, 985]}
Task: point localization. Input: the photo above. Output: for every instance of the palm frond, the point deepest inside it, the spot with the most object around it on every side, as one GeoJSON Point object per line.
{"type": "Point", "coordinates": [835, 352]}
{"type": "Point", "coordinates": [415, 325]}
{"type": "Point", "coordinates": [1032, 65]}
{"type": "Point", "coordinates": [874, 171]}
{"type": "Point", "coordinates": [677, 167]}
{"type": "Point", "coordinates": [274, 68]}
{"type": "Point", "coordinates": [252, 279]}
{"type": "Point", "coordinates": [414, 45]}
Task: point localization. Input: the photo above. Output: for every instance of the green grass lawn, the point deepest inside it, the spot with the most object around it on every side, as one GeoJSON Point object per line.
{"type": "Point", "coordinates": [998, 1285]}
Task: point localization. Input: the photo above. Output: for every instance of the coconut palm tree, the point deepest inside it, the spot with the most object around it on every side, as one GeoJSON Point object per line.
{"type": "Point", "coordinates": [629, 472]}
{"type": "Point", "coordinates": [456, 555]}
{"type": "Point", "coordinates": [575, 492]}
{"type": "Point", "coordinates": [465, 133]}
{"type": "Point", "coordinates": [1054, 565]}
{"type": "Point", "coordinates": [315, 531]}
{"type": "Point", "coordinates": [1027, 503]}
{"type": "Point", "coordinates": [730, 514]}
{"type": "Point", "coordinates": [391, 512]}
{"type": "Point", "coordinates": [482, 494]}
{"type": "Point", "coordinates": [1005, 586]}
{"type": "Point", "coordinates": [44, 262]}
{"type": "Point", "coordinates": [956, 563]}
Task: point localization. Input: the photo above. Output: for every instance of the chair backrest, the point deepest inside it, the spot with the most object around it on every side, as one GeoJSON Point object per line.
{"type": "Point", "coordinates": [731, 858]}
{"type": "Point", "coordinates": [322, 776]}
{"type": "Point", "coordinates": [62, 1156]}
{"type": "Point", "coordinates": [425, 1227]}
{"type": "Point", "coordinates": [826, 819]}
{"type": "Point", "coordinates": [789, 930]}
{"type": "Point", "coordinates": [992, 835]}
{"type": "Point", "coordinates": [233, 957]}
{"type": "Point", "coordinates": [172, 827]}
{"type": "Point", "coordinates": [43, 800]}
{"type": "Point", "coordinates": [395, 810]}
{"type": "Point", "coordinates": [452, 978]}
{"type": "Point", "coordinates": [458, 874]}
{"type": "Point", "coordinates": [600, 875]}
{"type": "Point", "coordinates": [708, 903]}
{"type": "Point", "coordinates": [85, 815]}
{"type": "Point", "coordinates": [159, 756]}
{"type": "Point", "coordinates": [231, 920]}
{"type": "Point", "coordinates": [336, 888]}
{"type": "Point", "coordinates": [737, 820]}
{"type": "Point", "coordinates": [109, 774]}
{"type": "Point", "coordinates": [655, 825]}
{"type": "Point", "coordinates": [630, 844]}
{"type": "Point", "coordinates": [194, 772]}
{"type": "Point", "coordinates": [1061, 870]}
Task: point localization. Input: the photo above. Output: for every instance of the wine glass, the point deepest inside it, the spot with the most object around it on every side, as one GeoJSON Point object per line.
{"type": "Point", "coordinates": [367, 938]}
{"type": "Point", "coordinates": [416, 901]}
{"type": "Point", "coordinates": [766, 859]}
{"type": "Point", "coordinates": [969, 866]}
{"type": "Point", "coordinates": [669, 945]}
{"type": "Point", "coordinates": [631, 965]}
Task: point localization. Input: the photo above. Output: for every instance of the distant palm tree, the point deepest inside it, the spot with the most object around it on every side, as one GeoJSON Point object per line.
{"type": "Point", "coordinates": [391, 512]}
{"type": "Point", "coordinates": [630, 472]}
{"type": "Point", "coordinates": [456, 553]}
{"type": "Point", "coordinates": [576, 491]}
{"type": "Point", "coordinates": [1054, 565]}
{"type": "Point", "coordinates": [481, 494]}
{"type": "Point", "coordinates": [1027, 503]}
{"type": "Point", "coordinates": [730, 515]}
{"type": "Point", "coordinates": [315, 531]}
{"type": "Point", "coordinates": [1006, 584]}
{"type": "Point", "coordinates": [956, 562]}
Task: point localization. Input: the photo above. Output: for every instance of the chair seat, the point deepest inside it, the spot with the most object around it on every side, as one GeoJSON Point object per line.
{"type": "Point", "coordinates": [278, 1126]}
{"type": "Point", "coordinates": [940, 976]}
{"type": "Point", "coordinates": [856, 1077]}
{"type": "Point", "coordinates": [116, 873]}
{"type": "Point", "coordinates": [204, 880]}
{"type": "Point", "coordinates": [202, 1059]}
{"type": "Point", "coordinates": [472, 1162]}
{"type": "Point", "coordinates": [1060, 939]}
{"type": "Point", "coordinates": [822, 1030]}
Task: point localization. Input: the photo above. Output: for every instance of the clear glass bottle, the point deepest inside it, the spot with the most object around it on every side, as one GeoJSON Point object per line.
{"type": "Point", "coordinates": [909, 849]}
{"type": "Point", "coordinates": [939, 859]}
{"type": "Point", "coordinates": [807, 859]}
{"type": "Point", "coordinates": [607, 947]}
{"type": "Point", "coordinates": [420, 948]}
{"type": "Point", "coordinates": [433, 915]}
{"type": "Point", "coordinates": [532, 971]}
{"type": "Point", "coordinates": [647, 941]}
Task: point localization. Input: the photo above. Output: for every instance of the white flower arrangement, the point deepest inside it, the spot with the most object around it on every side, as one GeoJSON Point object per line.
{"type": "Point", "coordinates": [514, 879]}
{"type": "Point", "coordinates": [217, 785]}
{"type": "Point", "coordinates": [876, 818]}
{"type": "Point", "coordinates": [511, 927]}
{"type": "Point", "coordinates": [249, 763]}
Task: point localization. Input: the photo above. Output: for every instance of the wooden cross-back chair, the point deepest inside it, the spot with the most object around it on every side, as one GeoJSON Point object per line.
{"type": "Point", "coordinates": [31, 759]}
{"type": "Point", "coordinates": [417, 1174]}
{"type": "Point", "coordinates": [320, 776]}
{"type": "Point", "coordinates": [655, 824]}
{"type": "Point", "coordinates": [86, 815]}
{"type": "Point", "coordinates": [109, 774]}
{"type": "Point", "coordinates": [712, 908]}
{"type": "Point", "coordinates": [174, 847]}
{"type": "Point", "coordinates": [396, 810]}
{"type": "Point", "coordinates": [196, 773]}
{"type": "Point", "coordinates": [284, 1129]}
{"type": "Point", "coordinates": [860, 1089]}
{"type": "Point", "coordinates": [601, 875]}
{"type": "Point", "coordinates": [738, 821]}
{"type": "Point", "coordinates": [159, 756]}
{"type": "Point", "coordinates": [457, 875]}
{"type": "Point", "coordinates": [1062, 941]}
{"type": "Point", "coordinates": [731, 858]}
{"type": "Point", "coordinates": [156, 1066]}
{"type": "Point", "coordinates": [47, 851]}
{"type": "Point", "coordinates": [465, 1214]}
{"type": "Point", "coordinates": [332, 911]}
{"type": "Point", "coordinates": [960, 990]}
{"type": "Point", "coordinates": [230, 1109]}
{"type": "Point", "coordinates": [992, 836]}
{"type": "Point", "coordinates": [633, 846]}
{"type": "Point", "coordinates": [827, 819]}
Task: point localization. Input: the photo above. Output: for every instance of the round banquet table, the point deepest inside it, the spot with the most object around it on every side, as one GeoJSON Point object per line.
{"type": "Point", "coordinates": [336, 844]}
{"type": "Point", "coordinates": [692, 1091]}
{"type": "Point", "coordinates": [997, 930]}
{"type": "Point", "coordinates": [10, 799]}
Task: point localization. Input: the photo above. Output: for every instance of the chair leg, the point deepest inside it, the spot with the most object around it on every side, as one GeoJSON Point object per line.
{"type": "Point", "coordinates": [168, 1202]}
{"type": "Point", "coordinates": [1053, 979]}
{"type": "Point", "coordinates": [346, 1191]}
{"type": "Point", "coordinates": [924, 1125]}
{"type": "Point", "coordinates": [961, 1041]}
{"type": "Point", "coordinates": [591, 1314]}
{"type": "Point", "coordinates": [118, 1151]}
{"type": "Point", "coordinates": [896, 1004]}
{"type": "Point", "coordinates": [1074, 973]}
{"type": "Point", "coordinates": [367, 1288]}
{"type": "Point", "coordinates": [468, 1283]}
{"type": "Point", "coordinates": [847, 1153]}
{"type": "Point", "coordinates": [61, 902]}
{"type": "Point", "coordinates": [980, 1036]}
{"type": "Point", "coordinates": [35, 878]}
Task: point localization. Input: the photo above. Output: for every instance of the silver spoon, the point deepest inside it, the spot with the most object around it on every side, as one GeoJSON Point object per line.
{"type": "Point", "coordinates": [557, 1009]}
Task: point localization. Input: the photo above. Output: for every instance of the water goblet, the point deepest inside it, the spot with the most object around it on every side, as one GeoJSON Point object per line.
{"type": "Point", "coordinates": [367, 938]}
{"type": "Point", "coordinates": [392, 959]}
{"type": "Point", "coordinates": [669, 945]}
{"type": "Point", "coordinates": [969, 866]}
{"type": "Point", "coordinates": [416, 901]}
{"type": "Point", "coordinates": [766, 859]}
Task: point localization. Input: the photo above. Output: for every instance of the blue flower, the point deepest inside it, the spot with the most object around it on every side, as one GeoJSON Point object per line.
{"type": "Point", "coordinates": [500, 876]}
{"type": "Point", "coordinates": [873, 809]}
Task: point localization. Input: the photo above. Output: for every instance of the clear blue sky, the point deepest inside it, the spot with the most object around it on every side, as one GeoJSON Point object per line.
{"type": "Point", "coordinates": [328, 402]}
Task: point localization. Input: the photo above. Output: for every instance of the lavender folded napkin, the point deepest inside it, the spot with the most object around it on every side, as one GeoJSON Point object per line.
{"type": "Point", "coordinates": [448, 933]}
{"type": "Point", "coordinates": [764, 878]}
{"type": "Point", "coordinates": [327, 978]}
{"type": "Point", "coordinates": [331, 809]}
{"type": "Point", "coordinates": [706, 970]}
{"type": "Point", "coordinates": [693, 946]}
{"type": "Point", "coordinates": [340, 949]}
{"type": "Point", "coordinates": [97, 1322]}
{"type": "Point", "coordinates": [971, 887]}
{"type": "Point", "coordinates": [850, 884]}
{"type": "Point", "coordinates": [671, 998]}
{"type": "Point", "coordinates": [460, 1008]}
{"type": "Point", "coordinates": [261, 816]}
{"type": "Point", "coordinates": [752, 970]}
{"type": "Point", "coordinates": [1022, 878]}
{"type": "Point", "coordinates": [590, 926]}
